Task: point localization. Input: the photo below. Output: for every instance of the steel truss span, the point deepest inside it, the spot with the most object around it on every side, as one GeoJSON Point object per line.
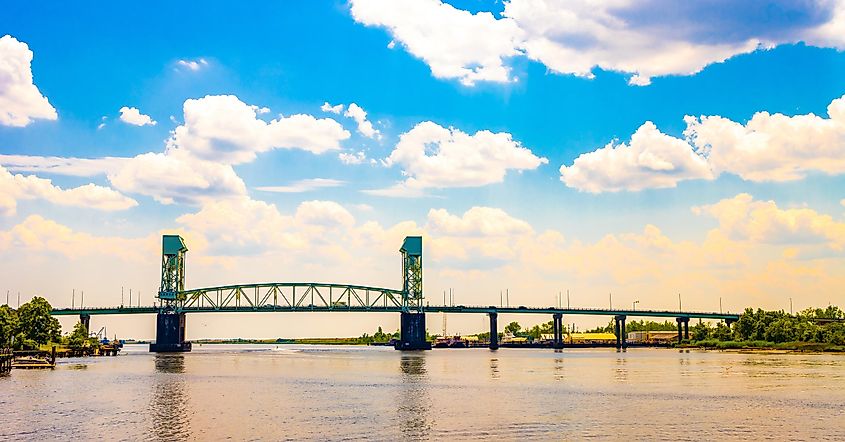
{"type": "Point", "coordinates": [289, 296]}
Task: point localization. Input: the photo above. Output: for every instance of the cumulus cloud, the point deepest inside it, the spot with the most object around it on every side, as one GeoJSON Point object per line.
{"type": "Point", "coordinates": [433, 156]}
{"type": "Point", "coordinates": [337, 109]}
{"type": "Point", "coordinates": [642, 38]}
{"type": "Point", "coordinates": [744, 218]}
{"type": "Point", "coordinates": [351, 158]}
{"type": "Point", "coordinates": [37, 234]}
{"type": "Point", "coordinates": [224, 129]}
{"type": "Point", "coordinates": [131, 115]}
{"type": "Point", "coordinates": [453, 42]}
{"type": "Point", "coordinates": [17, 187]}
{"type": "Point", "coordinates": [770, 147]}
{"type": "Point", "coordinates": [174, 178]}
{"type": "Point", "coordinates": [193, 65]}
{"type": "Point", "coordinates": [219, 132]}
{"type": "Point", "coordinates": [650, 160]}
{"type": "Point", "coordinates": [306, 185]}
{"type": "Point", "coordinates": [20, 100]}
{"type": "Point", "coordinates": [773, 147]}
{"type": "Point", "coordinates": [365, 127]}
{"type": "Point", "coordinates": [477, 221]}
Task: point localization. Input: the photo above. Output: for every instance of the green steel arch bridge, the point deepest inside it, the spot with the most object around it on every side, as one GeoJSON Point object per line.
{"type": "Point", "coordinates": [176, 302]}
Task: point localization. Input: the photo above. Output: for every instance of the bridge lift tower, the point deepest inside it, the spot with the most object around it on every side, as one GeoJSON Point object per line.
{"type": "Point", "coordinates": [412, 329]}
{"type": "Point", "coordinates": [170, 320]}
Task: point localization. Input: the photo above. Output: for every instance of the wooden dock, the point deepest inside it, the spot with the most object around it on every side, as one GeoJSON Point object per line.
{"type": "Point", "coordinates": [6, 358]}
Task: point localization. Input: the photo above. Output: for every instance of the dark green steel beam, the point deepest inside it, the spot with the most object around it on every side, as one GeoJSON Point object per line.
{"type": "Point", "coordinates": [428, 309]}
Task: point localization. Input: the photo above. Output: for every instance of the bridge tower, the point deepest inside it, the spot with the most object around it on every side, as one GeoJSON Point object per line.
{"type": "Point", "coordinates": [170, 320]}
{"type": "Point", "coordinates": [412, 329]}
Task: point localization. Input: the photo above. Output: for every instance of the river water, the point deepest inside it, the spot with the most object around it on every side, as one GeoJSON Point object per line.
{"type": "Point", "coordinates": [351, 393]}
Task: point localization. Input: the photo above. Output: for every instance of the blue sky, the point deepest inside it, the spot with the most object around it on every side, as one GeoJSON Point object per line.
{"type": "Point", "coordinates": [91, 60]}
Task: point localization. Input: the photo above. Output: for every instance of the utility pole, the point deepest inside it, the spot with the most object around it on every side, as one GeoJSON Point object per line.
{"type": "Point", "coordinates": [507, 297]}
{"type": "Point", "coordinates": [501, 299]}
{"type": "Point", "coordinates": [7, 297]}
{"type": "Point", "coordinates": [19, 300]}
{"type": "Point", "coordinates": [720, 304]}
{"type": "Point", "coordinates": [130, 297]}
{"type": "Point", "coordinates": [567, 298]}
{"type": "Point", "coordinates": [610, 296]}
{"type": "Point", "coordinates": [73, 298]}
{"type": "Point", "coordinates": [82, 302]}
{"type": "Point", "coordinates": [679, 303]}
{"type": "Point", "coordinates": [790, 306]}
{"type": "Point", "coordinates": [121, 298]}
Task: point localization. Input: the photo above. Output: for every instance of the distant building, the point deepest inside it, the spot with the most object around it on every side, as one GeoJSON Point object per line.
{"type": "Point", "coordinates": [653, 337]}
{"type": "Point", "coordinates": [590, 338]}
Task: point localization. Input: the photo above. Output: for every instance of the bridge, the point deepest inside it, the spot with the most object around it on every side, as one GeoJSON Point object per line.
{"type": "Point", "coordinates": [176, 302]}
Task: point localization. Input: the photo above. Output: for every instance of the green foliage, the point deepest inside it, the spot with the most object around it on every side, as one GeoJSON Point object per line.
{"type": "Point", "coordinates": [767, 329]}
{"type": "Point", "coordinates": [513, 328]}
{"type": "Point", "coordinates": [8, 324]}
{"type": "Point", "coordinates": [635, 326]}
{"type": "Point", "coordinates": [80, 338]}
{"type": "Point", "coordinates": [36, 324]}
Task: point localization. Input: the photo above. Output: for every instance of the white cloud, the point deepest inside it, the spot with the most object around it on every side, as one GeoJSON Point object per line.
{"type": "Point", "coordinates": [770, 147]}
{"type": "Point", "coordinates": [365, 127]}
{"type": "Point", "coordinates": [642, 38]}
{"type": "Point", "coordinates": [131, 115]}
{"type": "Point", "coordinates": [82, 167]}
{"type": "Point", "coordinates": [174, 178]}
{"type": "Point", "coordinates": [453, 42]}
{"type": "Point", "coordinates": [651, 160]}
{"type": "Point", "coordinates": [477, 221]}
{"type": "Point", "coordinates": [744, 218]}
{"type": "Point", "coordinates": [352, 158]}
{"type": "Point", "coordinates": [433, 156]}
{"type": "Point", "coordinates": [224, 129]}
{"type": "Point", "coordinates": [773, 147]}
{"type": "Point", "coordinates": [337, 109]}
{"type": "Point", "coordinates": [16, 187]}
{"type": "Point", "coordinates": [306, 185]}
{"type": "Point", "coordinates": [193, 65]}
{"type": "Point", "coordinates": [20, 100]}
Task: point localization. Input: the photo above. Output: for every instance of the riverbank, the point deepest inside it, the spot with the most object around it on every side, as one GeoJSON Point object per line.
{"type": "Point", "coordinates": [765, 346]}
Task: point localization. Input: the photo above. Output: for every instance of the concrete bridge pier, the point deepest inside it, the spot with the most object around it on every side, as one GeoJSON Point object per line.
{"type": "Point", "coordinates": [170, 333]}
{"type": "Point", "coordinates": [85, 319]}
{"type": "Point", "coordinates": [412, 332]}
{"type": "Point", "coordinates": [621, 334]}
{"type": "Point", "coordinates": [494, 330]}
{"type": "Point", "coordinates": [685, 323]}
{"type": "Point", "coordinates": [558, 329]}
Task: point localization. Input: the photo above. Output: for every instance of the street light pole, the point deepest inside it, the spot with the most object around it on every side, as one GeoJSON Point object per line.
{"type": "Point", "coordinates": [635, 305]}
{"type": "Point", "coordinates": [680, 308]}
{"type": "Point", "coordinates": [790, 306]}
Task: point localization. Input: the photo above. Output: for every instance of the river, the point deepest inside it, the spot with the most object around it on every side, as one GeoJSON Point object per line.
{"type": "Point", "coordinates": [353, 393]}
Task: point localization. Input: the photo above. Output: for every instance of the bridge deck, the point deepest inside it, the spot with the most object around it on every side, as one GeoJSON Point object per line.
{"type": "Point", "coordinates": [396, 309]}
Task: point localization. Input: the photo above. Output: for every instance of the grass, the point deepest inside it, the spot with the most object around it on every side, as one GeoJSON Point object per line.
{"type": "Point", "coordinates": [765, 345]}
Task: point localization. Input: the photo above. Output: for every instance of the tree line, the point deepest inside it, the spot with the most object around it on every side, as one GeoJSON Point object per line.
{"type": "Point", "coordinates": [32, 326]}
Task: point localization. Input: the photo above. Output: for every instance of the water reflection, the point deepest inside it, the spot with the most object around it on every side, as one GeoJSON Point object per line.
{"type": "Point", "coordinates": [621, 371]}
{"type": "Point", "coordinates": [414, 402]}
{"type": "Point", "coordinates": [559, 373]}
{"type": "Point", "coordinates": [494, 368]}
{"type": "Point", "coordinates": [169, 402]}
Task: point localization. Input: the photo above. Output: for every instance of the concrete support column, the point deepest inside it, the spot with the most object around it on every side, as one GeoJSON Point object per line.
{"type": "Point", "coordinates": [170, 333]}
{"type": "Point", "coordinates": [558, 329]}
{"type": "Point", "coordinates": [412, 332]}
{"type": "Point", "coordinates": [85, 319]}
{"type": "Point", "coordinates": [680, 331]}
{"type": "Point", "coordinates": [619, 328]}
{"type": "Point", "coordinates": [494, 330]}
{"type": "Point", "coordinates": [686, 328]}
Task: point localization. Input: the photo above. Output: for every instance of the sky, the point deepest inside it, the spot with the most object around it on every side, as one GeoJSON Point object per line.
{"type": "Point", "coordinates": [622, 151]}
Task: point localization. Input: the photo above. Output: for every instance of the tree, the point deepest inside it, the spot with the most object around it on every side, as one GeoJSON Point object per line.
{"type": "Point", "coordinates": [513, 328]}
{"type": "Point", "coordinates": [36, 323]}
{"type": "Point", "coordinates": [79, 338]}
{"type": "Point", "coordinates": [700, 331]}
{"type": "Point", "coordinates": [8, 324]}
